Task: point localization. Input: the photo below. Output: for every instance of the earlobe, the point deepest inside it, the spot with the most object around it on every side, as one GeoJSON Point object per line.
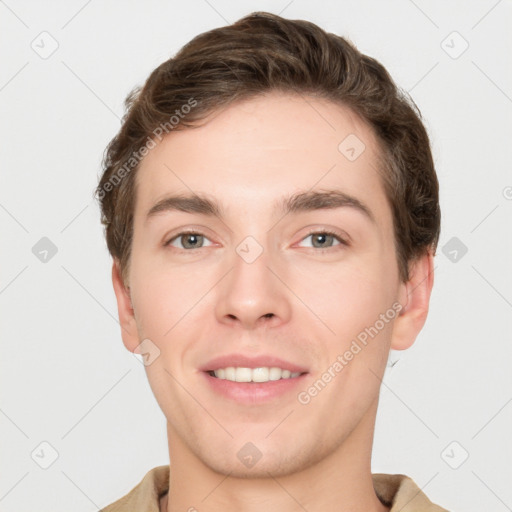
{"type": "Point", "coordinates": [414, 298]}
{"type": "Point", "coordinates": [129, 331]}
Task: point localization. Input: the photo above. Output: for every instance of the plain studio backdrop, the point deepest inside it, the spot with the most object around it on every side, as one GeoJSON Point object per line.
{"type": "Point", "coordinates": [79, 425]}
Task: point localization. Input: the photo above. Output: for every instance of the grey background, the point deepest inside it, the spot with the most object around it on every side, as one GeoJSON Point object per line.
{"type": "Point", "coordinates": [66, 378]}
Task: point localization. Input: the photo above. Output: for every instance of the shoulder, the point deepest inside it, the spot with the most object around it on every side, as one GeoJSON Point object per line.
{"type": "Point", "coordinates": [145, 495]}
{"type": "Point", "coordinates": [401, 493]}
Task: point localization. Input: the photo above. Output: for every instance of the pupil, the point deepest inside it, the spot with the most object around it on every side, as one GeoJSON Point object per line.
{"type": "Point", "coordinates": [194, 237]}
{"type": "Point", "coordinates": [320, 237]}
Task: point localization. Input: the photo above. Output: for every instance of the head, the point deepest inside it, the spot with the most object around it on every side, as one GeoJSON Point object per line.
{"type": "Point", "coordinates": [264, 132]}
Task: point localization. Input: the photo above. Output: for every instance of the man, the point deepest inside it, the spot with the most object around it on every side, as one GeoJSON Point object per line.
{"type": "Point", "coordinates": [271, 206]}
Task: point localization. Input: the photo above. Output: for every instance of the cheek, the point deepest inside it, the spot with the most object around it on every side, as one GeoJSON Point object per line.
{"type": "Point", "coordinates": [165, 294]}
{"type": "Point", "coordinates": [352, 307]}
{"type": "Point", "coordinates": [347, 295]}
{"type": "Point", "coordinates": [355, 308]}
{"type": "Point", "coordinates": [172, 308]}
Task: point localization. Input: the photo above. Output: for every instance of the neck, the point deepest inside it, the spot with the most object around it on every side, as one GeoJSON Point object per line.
{"type": "Point", "coordinates": [342, 481]}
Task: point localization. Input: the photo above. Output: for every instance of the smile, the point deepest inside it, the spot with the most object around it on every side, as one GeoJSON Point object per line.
{"type": "Point", "coordinates": [261, 374]}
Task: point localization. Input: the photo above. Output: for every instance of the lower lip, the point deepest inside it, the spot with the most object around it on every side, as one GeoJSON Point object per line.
{"type": "Point", "coordinates": [253, 392]}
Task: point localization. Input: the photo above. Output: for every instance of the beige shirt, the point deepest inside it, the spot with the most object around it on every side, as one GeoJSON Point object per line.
{"type": "Point", "coordinates": [396, 491]}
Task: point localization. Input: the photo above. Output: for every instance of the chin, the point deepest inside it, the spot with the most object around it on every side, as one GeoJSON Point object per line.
{"type": "Point", "coordinates": [262, 469]}
{"type": "Point", "coordinates": [260, 459]}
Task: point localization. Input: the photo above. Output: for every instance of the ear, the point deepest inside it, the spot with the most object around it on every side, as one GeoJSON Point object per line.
{"type": "Point", "coordinates": [414, 298]}
{"type": "Point", "coordinates": [129, 331]}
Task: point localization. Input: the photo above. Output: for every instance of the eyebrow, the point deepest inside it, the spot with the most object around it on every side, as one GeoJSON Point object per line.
{"type": "Point", "coordinates": [296, 203]}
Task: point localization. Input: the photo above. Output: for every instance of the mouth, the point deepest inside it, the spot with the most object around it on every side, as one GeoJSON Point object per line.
{"type": "Point", "coordinates": [255, 375]}
{"type": "Point", "coordinates": [254, 386]}
{"type": "Point", "coordinates": [253, 379]}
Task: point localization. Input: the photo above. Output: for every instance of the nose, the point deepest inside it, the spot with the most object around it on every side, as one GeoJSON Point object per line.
{"type": "Point", "coordinates": [253, 294]}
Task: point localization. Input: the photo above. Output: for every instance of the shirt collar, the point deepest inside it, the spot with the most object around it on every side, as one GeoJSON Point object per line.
{"type": "Point", "coordinates": [394, 490]}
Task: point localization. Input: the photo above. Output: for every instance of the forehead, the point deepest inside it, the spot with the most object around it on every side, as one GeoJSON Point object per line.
{"type": "Point", "coordinates": [254, 152]}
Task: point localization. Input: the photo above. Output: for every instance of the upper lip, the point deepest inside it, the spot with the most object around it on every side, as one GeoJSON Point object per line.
{"type": "Point", "coordinates": [243, 361]}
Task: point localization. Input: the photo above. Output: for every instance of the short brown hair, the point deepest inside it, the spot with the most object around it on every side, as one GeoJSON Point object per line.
{"type": "Point", "coordinates": [261, 53]}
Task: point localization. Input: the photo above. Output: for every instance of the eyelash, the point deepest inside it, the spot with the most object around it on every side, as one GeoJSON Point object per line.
{"type": "Point", "coordinates": [313, 232]}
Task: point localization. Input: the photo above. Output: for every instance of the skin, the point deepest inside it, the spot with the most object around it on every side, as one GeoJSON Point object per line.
{"type": "Point", "coordinates": [194, 304]}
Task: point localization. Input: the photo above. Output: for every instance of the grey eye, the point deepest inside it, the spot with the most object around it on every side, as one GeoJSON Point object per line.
{"type": "Point", "coordinates": [188, 241]}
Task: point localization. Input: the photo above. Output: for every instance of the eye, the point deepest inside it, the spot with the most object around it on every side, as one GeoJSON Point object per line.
{"type": "Point", "coordinates": [325, 239]}
{"type": "Point", "coordinates": [188, 240]}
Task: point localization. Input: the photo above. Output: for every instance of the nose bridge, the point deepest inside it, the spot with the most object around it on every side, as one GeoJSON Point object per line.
{"type": "Point", "coordinates": [251, 291]}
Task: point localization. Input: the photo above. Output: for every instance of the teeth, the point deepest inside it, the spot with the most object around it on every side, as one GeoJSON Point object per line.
{"type": "Point", "coordinates": [243, 374]}
{"type": "Point", "coordinates": [263, 374]}
{"type": "Point", "coordinates": [260, 375]}
{"type": "Point", "coordinates": [230, 373]}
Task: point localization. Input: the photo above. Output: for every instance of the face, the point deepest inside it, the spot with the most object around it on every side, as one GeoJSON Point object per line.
{"type": "Point", "coordinates": [262, 286]}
